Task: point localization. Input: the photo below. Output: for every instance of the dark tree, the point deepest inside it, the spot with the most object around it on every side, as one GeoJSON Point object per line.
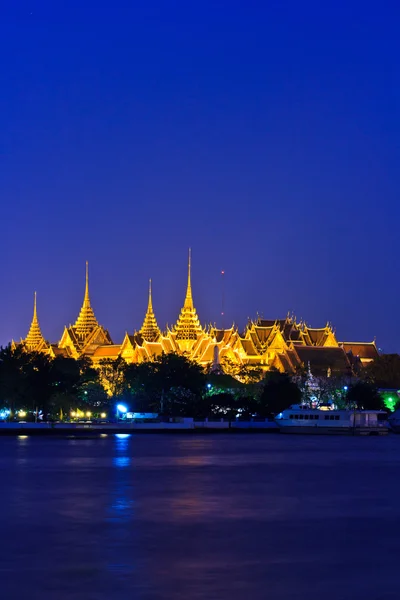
{"type": "Point", "coordinates": [142, 386]}
{"type": "Point", "coordinates": [171, 384]}
{"type": "Point", "coordinates": [42, 380]}
{"type": "Point", "coordinates": [278, 394]}
{"type": "Point", "coordinates": [14, 384]}
{"type": "Point", "coordinates": [363, 395]}
{"type": "Point", "coordinates": [222, 405]}
{"type": "Point", "coordinates": [384, 371]}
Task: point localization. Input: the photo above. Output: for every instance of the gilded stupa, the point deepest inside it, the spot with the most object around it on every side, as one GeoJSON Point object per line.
{"type": "Point", "coordinates": [86, 334]}
{"type": "Point", "coordinates": [150, 330]}
{"type": "Point", "coordinates": [34, 341]}
{"type": "Point", "coordinates": [187, 329]}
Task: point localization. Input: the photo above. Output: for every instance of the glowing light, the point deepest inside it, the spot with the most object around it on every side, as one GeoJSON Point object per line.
{"type": "Point", "coordinates": [103, 415]}
{"type": "Point", "coordinates": [209, 386]}
{"type": "Point", "coordinates": [88, 414]}
{"type": "Point", "coordinates": [122, 461]}
{"type": "Point", "coordinates": [122, 436]}
{"type": "Point", "coordinates": [22, 413]}
{"type": "Point", "coordinates": [122, 408]}
{"type": "Point", "coordinates": [22, 437]}
{"type": "Point", "coordinates": [345, 388]}
{"type": "Point", "coordinates": [73, 414]}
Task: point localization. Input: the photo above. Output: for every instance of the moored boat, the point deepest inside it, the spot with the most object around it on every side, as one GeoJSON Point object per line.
{"type": "Point", "coordinates": [394, 421]}
{"type": "Point", "coordinates": [299, 419]}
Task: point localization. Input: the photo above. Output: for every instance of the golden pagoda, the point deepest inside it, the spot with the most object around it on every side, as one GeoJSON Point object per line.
{"type": "Point", "coordinates": [86, 334]}
{"type": "Point", "coordinates": [150, 330]}
{"type": "Point", "coordinates": [34, 341]}
{"type": "Point", "coordinates": [187, 329]}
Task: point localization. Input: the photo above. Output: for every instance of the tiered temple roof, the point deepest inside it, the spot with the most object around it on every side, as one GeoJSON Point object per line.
{"type": "Point", "coordinates": [34, 341]}
{"type": "Point", "coordinates": [187, 328]}
{"type": "Point", "coordinates": [86, 321]}
{"type": "Point", "coordinates": [150, 330]}
{"type": "Point", "coordinates": [364, 351]}
{"type": "Point", "coordinates": [86, 335]}
{"type": "Point", "coordinates": [281, 343]}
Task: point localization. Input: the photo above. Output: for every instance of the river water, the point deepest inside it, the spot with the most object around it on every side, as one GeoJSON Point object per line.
{"type": "Point", "coordinates": [200, 517]}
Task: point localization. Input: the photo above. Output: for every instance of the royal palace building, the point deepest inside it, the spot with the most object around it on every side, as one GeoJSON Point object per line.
{"type": "Point", "coordinates": [284, 344]}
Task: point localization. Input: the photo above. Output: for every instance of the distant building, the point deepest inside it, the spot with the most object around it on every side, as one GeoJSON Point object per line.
{"type": "Point", "coordinates": [284, 344]}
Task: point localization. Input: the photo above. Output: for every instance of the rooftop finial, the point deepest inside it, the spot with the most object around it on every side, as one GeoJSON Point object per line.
{"type": "Point", "coordinates": [189, 299]}
{"type": "Point", "coordinates": [87, 301]}
{"type": "Point", "coordinates": [150, 305]}
{"type": "Point", "coordinates": [34, 308]}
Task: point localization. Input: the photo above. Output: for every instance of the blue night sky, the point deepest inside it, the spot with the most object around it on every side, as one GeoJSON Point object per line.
{"type": "Point", "coordinates": [265, 135]}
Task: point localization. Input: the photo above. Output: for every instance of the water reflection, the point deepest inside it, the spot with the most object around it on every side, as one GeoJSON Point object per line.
{"type": "Point", "coordinates": [121, 502]}
{"type": "Point", "coordinates": [121, 461]}
{"type": "Point", "coordinates": [217, 517]}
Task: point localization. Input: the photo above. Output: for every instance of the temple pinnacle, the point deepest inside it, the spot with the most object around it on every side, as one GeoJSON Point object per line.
{"type": "Point", "coordinates": [87, 299]}
{"type": "Point", "coordinates": [188, 327]}
{"type": "Point", "coordinates": [189, 298]}
{"type": "Point", "coordinates": [35, 318]}
{"type": "Point", "coordinates": [86, 320]}
{"type": "Point", "coordinates": [150, 330]}
{"type": "Point", "coordinates": [150, 303]}
{"type": "Point", "coordinates": [34, 337]}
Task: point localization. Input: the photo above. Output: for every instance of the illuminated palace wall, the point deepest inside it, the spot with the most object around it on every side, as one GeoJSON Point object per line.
{"type": "Point", "coordinates": [283, 343]}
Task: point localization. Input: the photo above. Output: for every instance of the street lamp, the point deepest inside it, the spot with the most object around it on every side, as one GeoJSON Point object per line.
{"type": "Point", "coordinates": [121, 408]}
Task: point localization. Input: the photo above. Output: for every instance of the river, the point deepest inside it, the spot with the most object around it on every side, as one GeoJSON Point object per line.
{"type": "Point", "coordinates": [187, 517]}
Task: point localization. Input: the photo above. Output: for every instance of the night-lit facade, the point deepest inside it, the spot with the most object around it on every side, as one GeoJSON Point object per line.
{"type": "Point", "coordinates": [284, 344]}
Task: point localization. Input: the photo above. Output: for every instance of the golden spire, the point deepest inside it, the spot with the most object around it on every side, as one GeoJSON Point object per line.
{"type": "Point", "coordinates": [150, 330]}
{"type": "Point", "coordinates": [189, 299]}
{"type": "Point", "coordinates": [34, 337]}
{"type": "Point", "coordinates": [86, 299]}
{"type": "Point", "coordinates": [86, 320]}
{"type": "Point", "coordinates": [188, 325]}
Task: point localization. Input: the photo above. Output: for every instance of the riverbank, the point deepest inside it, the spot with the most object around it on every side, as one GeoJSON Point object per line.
{"type": "Point", "coordinates": [183, 426]}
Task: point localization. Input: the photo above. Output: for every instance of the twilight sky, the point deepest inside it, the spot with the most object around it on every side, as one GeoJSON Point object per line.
{"type": "Point", "coordinates": [265, 135]}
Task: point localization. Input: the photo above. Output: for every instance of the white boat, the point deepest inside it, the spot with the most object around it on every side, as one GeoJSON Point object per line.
{"type": "Point", "coordinates": [394, 421]}
{"type": "Point", "coordinates": [299, 419]}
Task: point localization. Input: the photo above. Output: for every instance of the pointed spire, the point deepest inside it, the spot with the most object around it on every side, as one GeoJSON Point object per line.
{"type": "Point", "coordinates": [189, 298]}
{"type": "Point", "coordinates": [35, 318]}
{"type": "Point", "coordinates": [150, 304]}
{"type": "Point", "coordinates": [150, 330]}
{"type": "Point", "coordinates": [34, 338]}
{"type": "Point", "coordinates": [86, 320]}
{"type": "Point", "coordinates": [188, 325]}
{"type": "Point", "coordinates": [86, 298]}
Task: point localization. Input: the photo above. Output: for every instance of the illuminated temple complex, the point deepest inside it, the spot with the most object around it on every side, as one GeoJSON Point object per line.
{"type": "Point", "coordinates": [284, 344]}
